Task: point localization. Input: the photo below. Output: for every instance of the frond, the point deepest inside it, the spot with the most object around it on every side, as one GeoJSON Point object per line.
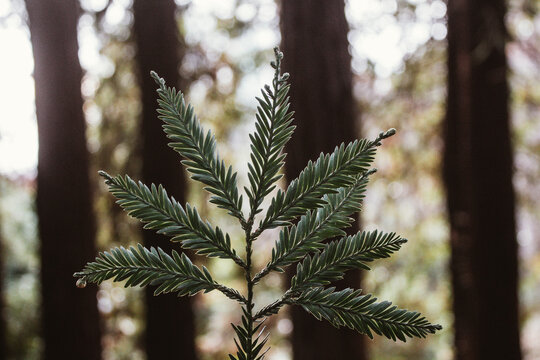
{"type": "Point", "coordinates": [154, 207]}
{"type": "Point", "coordinates": [318, 225]}
{"type": "Point", "coordinates": [329, 173]}
{"type": "Point", "coordinates": [140, 266]}
{"type": "Point", "coordinates": [350, 252]}
{"type": "Point", "coordinates": [362, 313]}
{"type": "Point", "coordinates": [273, 130]}
{"type": "Point", "coordinates": [198, 148]}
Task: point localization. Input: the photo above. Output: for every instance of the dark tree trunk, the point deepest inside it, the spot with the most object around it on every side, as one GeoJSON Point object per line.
{"type": "Point", "coordinates": [64, 202]}
{"type": "Point", "coordinates": [314, 41]}
{"type": "Point", "coordinates": [170, 329]}
{"type": "Point", "coordinates": [478, 178]}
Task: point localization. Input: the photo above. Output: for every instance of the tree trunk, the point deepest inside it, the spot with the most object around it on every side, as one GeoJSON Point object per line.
{"type": "Point", "coordinates": [478, 178]}
{"type": "Point", "coordinates": [64, 202]}
{"type": "Point", "coordinates": [170, 329]}
{"type": "Point", "coordinates": [314, 41]}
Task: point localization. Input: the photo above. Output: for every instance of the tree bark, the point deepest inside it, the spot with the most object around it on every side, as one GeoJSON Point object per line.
{"type": "Point", "coordinates": [478, 178]}
{"type": "Point", "coordinates": [170, 329]}
{"type": "Point", "coordinates": [314, 42]}
{"type": "Point", "coordinates": [64, 200]}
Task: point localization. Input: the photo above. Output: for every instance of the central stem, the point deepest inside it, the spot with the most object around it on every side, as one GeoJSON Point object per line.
{"type": "Point", "coordinates": [249, 306]}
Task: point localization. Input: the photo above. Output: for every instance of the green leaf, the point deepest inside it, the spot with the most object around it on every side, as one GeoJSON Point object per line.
{"type": "Point", "coordinates": [198, 148]}
{"type": "Point", "coordinates": [154, 207]}
{"type": "Point", "coordinates": [273, 130]}
{"type": "Point", "coordinates": [329, 173]}
{"type": "Point", "coordinates": [350, 252]}
{"type": "Point", "coordinates": [307, 236]}
{"type": "Point", "coordinates": [140, 266]}
{"type": "Point", "coordinates": [362, 313]}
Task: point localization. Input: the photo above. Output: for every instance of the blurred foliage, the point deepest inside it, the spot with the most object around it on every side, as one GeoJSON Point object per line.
{"type": "Point", "coordinates": [523, 51]}
{"type": "Point", "coordinates": [20, 251]}
{"type": "Point", "coordinates": [407, 194]}
{"type": "Point", "coordinates": [226, 44]}
{"type": "Point", "coordinates": [112, 108]}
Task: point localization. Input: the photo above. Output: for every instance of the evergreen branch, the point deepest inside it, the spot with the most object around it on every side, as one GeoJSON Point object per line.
{"type": "Point", "coordinates": [153, 207]}
{"type": "Point", "coordinates": [362, 313]}
{"type": "Point", "coordinates": [325, 195]}
{"type": "Point", "coordinates": [274, 307]}
{"type": "Point", "coordinates": [325, 176]}
{"type": "Point", "coordinates": [140, 266]}
{"type": "Point", "coordinates": [297, 241]}
{"type": "Point", "coordinates": [247, 346]}
{"type": "Point", "coordinates": [350, 252]}
{"type": "Point", "coordinates": [199, 149]}
{"type": "Point", "coordinates": [273, 130]}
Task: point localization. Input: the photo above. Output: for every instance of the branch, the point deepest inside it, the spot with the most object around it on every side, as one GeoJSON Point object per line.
{"type": "Point", "coordinates": [350, 252]}
{"type": "Point", "coordinates": [329, 173]}
{"type": "Point", "coordinates": [326, 222]}
{"type": "Point", "coordinates": [153, 207]}
{"type": "Point", "coordinates": [199, 149]}
{"type": "Point", "coordinates": [247, 346]}
{"type": "Point", "coordinates": [273, 130]}
{"type": "Point", "coordinates": [274, 307]}
{"type": "Point", "coordinates": [363, 314]}
{"type": "Point", "coordinates": [140, 266]}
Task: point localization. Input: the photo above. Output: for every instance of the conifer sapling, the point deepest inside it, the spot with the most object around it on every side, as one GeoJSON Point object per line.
{"type": "Point", "coordinates": [315, 207]}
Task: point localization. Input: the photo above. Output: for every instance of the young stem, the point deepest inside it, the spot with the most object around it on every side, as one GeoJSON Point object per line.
{"type": "Point", "coordinates": [249, 305]}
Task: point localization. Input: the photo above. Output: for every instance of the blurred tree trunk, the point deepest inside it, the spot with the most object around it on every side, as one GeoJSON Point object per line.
{"type": "Point", "coordinates": [478, 177]}
{"type": "Point", "coordinates": [64, 201]}
{"type": "Point", "coordinates": [314, 41]}
{"type": "Point", "coordinates": [170, 329]}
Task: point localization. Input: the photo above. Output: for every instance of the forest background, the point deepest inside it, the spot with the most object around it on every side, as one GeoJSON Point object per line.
{"type": "Point", "coordinates": [399, 61]}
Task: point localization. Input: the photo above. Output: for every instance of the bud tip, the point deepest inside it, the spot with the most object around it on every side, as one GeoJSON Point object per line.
{"type": "Point", "coordinates": [81, 283]}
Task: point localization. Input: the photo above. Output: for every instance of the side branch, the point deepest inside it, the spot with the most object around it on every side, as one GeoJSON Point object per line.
{"type": "Point", "coordinates": [326, 222]}
{"type": "Point", "coordinates": [140, 266]}
{"type": "Point", "coordinates": [329, 173]}
{"type": "Point", "coordinates": [153, 207]}
{"type": "Point", "coordinates": [198, 148]}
